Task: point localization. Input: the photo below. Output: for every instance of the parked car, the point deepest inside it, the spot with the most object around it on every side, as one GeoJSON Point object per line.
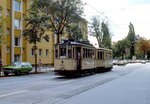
{"type": "Point", "coordinates": [121, 62]}
{"type": "Point", "coordinates": [17, 68]}
{"type": "Point", "coordinates": [143, 62]}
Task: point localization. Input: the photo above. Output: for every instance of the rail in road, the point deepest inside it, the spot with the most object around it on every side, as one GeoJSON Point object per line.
{"type": "Point", "coordinates": [47, 88]}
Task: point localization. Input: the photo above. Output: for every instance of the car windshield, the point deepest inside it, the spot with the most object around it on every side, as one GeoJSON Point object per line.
{"type": "Point", "coordinates": [16, 64]}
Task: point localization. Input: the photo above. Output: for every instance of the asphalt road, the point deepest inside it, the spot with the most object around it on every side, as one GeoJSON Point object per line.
{"type": "Point", "coordinates": [50, 89]}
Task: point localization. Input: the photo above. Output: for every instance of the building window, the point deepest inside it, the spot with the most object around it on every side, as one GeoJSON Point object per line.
{"type": "Point", "coordinates": [17, 24]}
{"type": "Point", "coordinates": [8, 12]}
{"type": "Point", "coordinates": [47, 52]}
{"type": "Point", "coordinates": [40, 52]}
{"type": "Point", "coordinates": [1, 11]}
{"type": "Point", "coordinates": [23, 50]}
{"type": "Point", "coordinates": [17, 41]}
{"type": "Point", "coordinates": [17, 58]}
{"type": "Point", "coordinates": [32, 52]}
{"type": "Point", "coordinates": [69, 51]}
{"type": "Point", "coordinates": [7, 31]}
{"type": "Point", "coordinates": [8, 50]}
{"type": "Point", "coordinates": [17, 6]}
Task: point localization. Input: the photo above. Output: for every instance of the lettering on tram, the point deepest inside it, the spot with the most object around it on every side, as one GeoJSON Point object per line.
{"type": "Point", "coordinates": [76, 58]}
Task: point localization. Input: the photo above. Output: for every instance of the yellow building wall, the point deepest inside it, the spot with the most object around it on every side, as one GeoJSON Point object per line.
{"type": "Point", "coordinates": [17, 15]}
{"type": "Point", "coordinates": [24, 43]}
{"type": "Point", "coordinates": [17, 50]}
{"type": "Point", "coordinates": [9, 4]}
{"type": "Point", "coordinates": [26, 47]}
{"type": "Point", "coordinates": [47, 60]}
{"type": "Point", "coordinates": [17, 33]}
{"type": "Point", "coordinates": [8, 23]}
{"type": "Point", "coordinates": [3, 4]}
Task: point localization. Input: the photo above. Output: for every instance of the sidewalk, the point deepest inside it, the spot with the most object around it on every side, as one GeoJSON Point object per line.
{"type": "Point", "coordinates": [41, 70]}
{"type": "Point", "coordinates": [44, 69]}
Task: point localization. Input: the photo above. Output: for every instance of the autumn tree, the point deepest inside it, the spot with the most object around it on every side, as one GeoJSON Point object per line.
{"type": "Point", "coordinates": [143, 46]}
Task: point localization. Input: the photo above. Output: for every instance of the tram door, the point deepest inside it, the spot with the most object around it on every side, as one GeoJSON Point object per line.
{"type": "Point", "coordinates": [79, 60]}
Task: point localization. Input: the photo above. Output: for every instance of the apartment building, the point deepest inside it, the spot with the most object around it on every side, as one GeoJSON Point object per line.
{"type": "Point", "coordinates": [15, 47]}
{"type": "Point", "coordinates": [13, 12]}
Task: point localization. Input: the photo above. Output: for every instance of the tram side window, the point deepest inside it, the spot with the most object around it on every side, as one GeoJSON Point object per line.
{"type": "Point", "coordinates": [69, 52]}
{"type": "Point", "coordinates": [111, 55]}
{"type": "Point", "coordinates": [100, 55]}
{"type": "Point", "coordinates": [87, 53]}
{"type": "Point", "coordinates": [56, 52]}
{"type": "Point", "coordinates": [97, 55]}
{"type": "Point", "coordinates": [84, 53]}
{"type": "Point", "coordinates": [91, 54]}
{"type": "Point", "coordinates": [62, 51]}
{"type": "Point", "coordinates": [106, 55]}
{"type": "Point", "coordinates": [73, 53]}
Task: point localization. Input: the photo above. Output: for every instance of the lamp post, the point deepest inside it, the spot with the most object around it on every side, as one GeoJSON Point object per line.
{"type": "Point", "coordinates": [35, 56]}
{"type": "Point", "coordinates": [132, 50]}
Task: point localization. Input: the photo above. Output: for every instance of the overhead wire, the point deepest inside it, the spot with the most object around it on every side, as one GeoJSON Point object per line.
{"type": "Point", "coordinates": [105, 17]}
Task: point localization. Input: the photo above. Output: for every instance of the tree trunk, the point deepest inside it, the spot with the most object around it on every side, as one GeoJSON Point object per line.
{"type": "Point", "coordinates": [58, 38]}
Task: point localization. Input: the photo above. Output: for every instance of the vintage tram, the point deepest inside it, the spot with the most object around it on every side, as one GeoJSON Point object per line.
{"type": "Point", "coordinates": [76, 58]}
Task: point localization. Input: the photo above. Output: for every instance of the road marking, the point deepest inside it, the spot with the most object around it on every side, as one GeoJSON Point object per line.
{"type": "Point", "coordinates": [13, 93]}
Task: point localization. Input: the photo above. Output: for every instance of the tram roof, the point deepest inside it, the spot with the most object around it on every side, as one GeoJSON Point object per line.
{"type": "Point", "coordinates": [104, 49]}
{"type": "Point", "coordinates": [76, 43]}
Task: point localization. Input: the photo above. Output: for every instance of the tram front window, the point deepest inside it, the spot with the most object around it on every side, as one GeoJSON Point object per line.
{"type": "Point", "coordinates": [69, 52]}
{"type": "Point", "coordinates": [62, 50]}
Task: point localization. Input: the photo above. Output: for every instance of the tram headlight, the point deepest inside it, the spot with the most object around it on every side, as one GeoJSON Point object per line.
{"type": "Point", "coordinates": [62, 67]}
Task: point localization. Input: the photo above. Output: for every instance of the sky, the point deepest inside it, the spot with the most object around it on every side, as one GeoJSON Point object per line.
{"type": "Point", "coordinates": [119, 14]}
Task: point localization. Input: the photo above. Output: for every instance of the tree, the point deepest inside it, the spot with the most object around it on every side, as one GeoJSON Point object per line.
{"type": "Point", "coordinates": [120, 48]}
{"type": "Point", "coordinates": [131, 38]}
{"type": "Point", "coordinates": [75, 32]}
{"type": "Point", "coordinates": [106, 41]}
{"type": "Point", "coordinates": [100, 30]}
{"type": "Point", "coordinates": [35, 28]}
{"type": "Point", "coordinates": [143, 46]}
{"type": "Point", "coordinates": [95, 29]}
{"type": "Point", "coordinates": [61, 13]}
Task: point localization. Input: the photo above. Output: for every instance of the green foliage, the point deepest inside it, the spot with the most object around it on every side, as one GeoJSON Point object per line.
{"type": "Point", "coordinates": [61, 13]}
{"type": "Point", "coordinates": [75, 32]}
{"type": "Point", "coordinates": [106, 41]}
{"type": "Point", "coordinates": [131, 33]}
{"type": "Point", "coordinates": [101, 31]}
{"type": "Point", "coordinates": [131, 39]}
{"type": "Point", "coordinates": [95, 29]}
{"type": "Point", "coordinates": [36, 26]}
{"type": "Point", "coordinates": [121, 47]}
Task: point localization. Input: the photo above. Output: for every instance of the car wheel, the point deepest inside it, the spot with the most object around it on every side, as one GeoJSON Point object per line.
{"type": "Point", "coordinates": [6, 73]}
{"type": "Point", "coordinates": [28, 73]}
{"type": "Point", "coordinates": [17, 73]}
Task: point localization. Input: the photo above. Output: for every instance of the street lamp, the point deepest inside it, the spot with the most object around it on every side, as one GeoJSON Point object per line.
{"type": "Point", "coordinates": [35, 55]}
{"type": "Point", "coordinates": [133, 50]}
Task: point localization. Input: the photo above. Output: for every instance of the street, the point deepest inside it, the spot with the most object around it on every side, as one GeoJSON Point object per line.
{"type": "Point", "coordinates": [123, 85]}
